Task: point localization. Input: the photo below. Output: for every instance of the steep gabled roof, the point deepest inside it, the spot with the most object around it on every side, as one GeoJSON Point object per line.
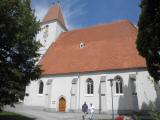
{"type": "Point", "coordinates": [54, 13]}
{"type": "Point", "coordinates": [107, 47]}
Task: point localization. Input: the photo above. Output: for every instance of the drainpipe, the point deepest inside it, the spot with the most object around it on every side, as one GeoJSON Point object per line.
{"type": "Point", "coordinates": [111, 84]}
{"type": "Point", "coordinates": [79, 91]}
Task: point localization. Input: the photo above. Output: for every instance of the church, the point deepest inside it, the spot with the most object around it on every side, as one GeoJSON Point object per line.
{"type": "Point", "coordinates": [98, 64]}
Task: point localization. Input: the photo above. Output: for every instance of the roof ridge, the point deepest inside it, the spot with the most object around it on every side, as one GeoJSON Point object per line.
{"type": "Point", "coordinates": [58, 10]}
{"type": "Point", "coordinates": [99, 25]}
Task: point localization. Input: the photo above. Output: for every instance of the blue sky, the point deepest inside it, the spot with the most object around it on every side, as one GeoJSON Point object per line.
{"type": "Point", "coordinates": [84, 13]}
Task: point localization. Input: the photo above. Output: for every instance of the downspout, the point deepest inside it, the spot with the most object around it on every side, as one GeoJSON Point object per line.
{"type": "Point", "coordinates": [79, 92]}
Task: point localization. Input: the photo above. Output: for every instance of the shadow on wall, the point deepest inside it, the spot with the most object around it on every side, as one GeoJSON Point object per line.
{"type": "Point", "coordinates": [157, 101]}
{"type": "Point", "coordinates": [152, 105]}
{"type": "Point", "coordinates": [128, 102]}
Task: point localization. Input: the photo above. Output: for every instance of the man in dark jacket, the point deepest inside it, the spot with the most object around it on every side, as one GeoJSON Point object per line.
{"type": "Point", "coordinates": [84, 109]}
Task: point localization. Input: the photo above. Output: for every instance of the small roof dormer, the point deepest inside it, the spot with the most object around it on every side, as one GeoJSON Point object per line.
{"type": "Point", "coordinates": [55, 13]}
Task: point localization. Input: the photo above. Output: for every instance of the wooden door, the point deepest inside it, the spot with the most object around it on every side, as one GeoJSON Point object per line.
{"type": "Point", "coordinates": [62, 105]}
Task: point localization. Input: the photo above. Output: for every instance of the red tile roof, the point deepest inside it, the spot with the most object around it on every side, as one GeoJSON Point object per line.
{"type": "Point", "coordinates": [107, 47]}
{"type": "Point", "coordinates": [54, 13]}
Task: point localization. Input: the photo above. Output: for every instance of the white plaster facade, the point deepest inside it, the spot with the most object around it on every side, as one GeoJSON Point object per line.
{"type": "Point", "coordinates": [48, 34]}
{"type": "Point", "coordinates": [62, 86]}
{"type": "Point", "coordinates": [138, 89]}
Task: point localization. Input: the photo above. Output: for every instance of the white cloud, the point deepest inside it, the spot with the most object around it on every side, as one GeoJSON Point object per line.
{"type": "Point", "coordinates": [72, 10]}
{"type": "Point", "coordinates": [40, 12]}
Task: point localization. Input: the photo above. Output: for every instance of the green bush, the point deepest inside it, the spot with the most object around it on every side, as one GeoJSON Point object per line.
{"type": "Point", "coordinates": [155, 115]}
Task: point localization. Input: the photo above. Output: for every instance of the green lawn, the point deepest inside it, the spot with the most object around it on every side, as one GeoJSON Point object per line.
{"type": "Point", "coordinates": [12, 116]}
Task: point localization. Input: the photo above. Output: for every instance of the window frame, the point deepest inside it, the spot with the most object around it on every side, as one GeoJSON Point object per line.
{"type": "Point", "coordinates": [41, 88]}
{"type": "Point", "coordinates": [89, 87]}
{"type": "Point", "coordinates": [118, 85]}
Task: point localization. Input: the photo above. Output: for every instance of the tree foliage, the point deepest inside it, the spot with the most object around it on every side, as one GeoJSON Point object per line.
{"type": "Point", "coordinates": [18, 49]}
{"type": "Point", "coordinates": [148, 41]}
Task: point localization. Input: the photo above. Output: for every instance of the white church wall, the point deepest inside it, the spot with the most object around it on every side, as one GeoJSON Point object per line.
{"type": "Point", "coordinates": [146, 91]}
{"type": "Point", "coordinates": [122, 101]}
{"type": "Point", "coordinates": [61, 87]}
{"type": "Point", "coordinates": [27, 98]}
{"type": "Point", "coordinates": [102, 95]}
{"type": "Point", "coordinates": [89, 98]}
{"type": "Point", "coordinates": [127, 101]}
{"type": "Point", "coordinates": [59, 30]}
{"type": "Point", "coordinates": [34, 98]}
{"type": "Point", "coordinates": [144, 98]}
{"type": "Point", "coordinates": [53, 30]}
{"type": "Point", "coordinates": [48, 34]}
{"type": "Point", "coordinates": [46, 41]}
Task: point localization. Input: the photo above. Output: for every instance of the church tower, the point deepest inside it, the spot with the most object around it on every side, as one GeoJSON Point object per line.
{"type": "Point", "coordinates": [52, 26]}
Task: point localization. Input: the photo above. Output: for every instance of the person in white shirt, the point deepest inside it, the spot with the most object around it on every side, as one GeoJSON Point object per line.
{"type": "Point", "coordinates": [91, 111]}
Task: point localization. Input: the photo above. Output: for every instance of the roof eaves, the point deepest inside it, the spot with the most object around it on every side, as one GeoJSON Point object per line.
{"type": "Point", "coordinates": [107, 70]}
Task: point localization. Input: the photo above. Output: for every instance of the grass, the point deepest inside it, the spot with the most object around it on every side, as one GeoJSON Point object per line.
{"type": "Point", "coordinates": [12, 116]}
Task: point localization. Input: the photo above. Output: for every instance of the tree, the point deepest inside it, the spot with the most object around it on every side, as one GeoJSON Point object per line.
{"type": "Point", "coordinates": [148, 40]}
{"type": "Point", "coordinates": [18, 49]}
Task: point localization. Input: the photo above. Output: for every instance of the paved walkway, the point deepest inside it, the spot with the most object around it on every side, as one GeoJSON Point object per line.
{"type": "Point", "coordinates": [40, 114]}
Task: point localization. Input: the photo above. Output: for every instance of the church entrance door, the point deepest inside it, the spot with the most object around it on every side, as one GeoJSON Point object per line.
{"type": "Point", "coordinates": [62, 105]}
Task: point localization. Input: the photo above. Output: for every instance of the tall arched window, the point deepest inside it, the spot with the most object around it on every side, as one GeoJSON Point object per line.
{"type": "Point", "coordinates": [41, 85]}
{"type": "Point", "coordinates": [90, 86]}
{"type": "Point", "coordinates": [119, 84]}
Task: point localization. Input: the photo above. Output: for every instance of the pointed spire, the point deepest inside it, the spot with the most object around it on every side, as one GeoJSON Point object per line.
{"type": "Point", "coordinates": [55, 13]}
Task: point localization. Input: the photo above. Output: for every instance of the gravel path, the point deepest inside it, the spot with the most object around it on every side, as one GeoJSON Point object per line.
{"type": "Point", "coordinates": [40, 114]}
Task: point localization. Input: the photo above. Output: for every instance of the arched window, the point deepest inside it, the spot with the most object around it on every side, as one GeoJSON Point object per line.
{"type": "Point", "coordinates": [90, 86]}
{"type": "Point", "coordinates": [119, 85]}
{"type": "Point", "coordinates": [41, 85]}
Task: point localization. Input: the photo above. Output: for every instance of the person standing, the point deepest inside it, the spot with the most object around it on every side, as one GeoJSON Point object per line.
{"type": "Point", "coordinates": [85, 110]}
{"type": "Point", "coordinates": [91, 109]}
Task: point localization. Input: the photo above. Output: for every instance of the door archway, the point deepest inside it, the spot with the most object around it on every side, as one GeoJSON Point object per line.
{"type": "Point", "coordinates": [62, 105]}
